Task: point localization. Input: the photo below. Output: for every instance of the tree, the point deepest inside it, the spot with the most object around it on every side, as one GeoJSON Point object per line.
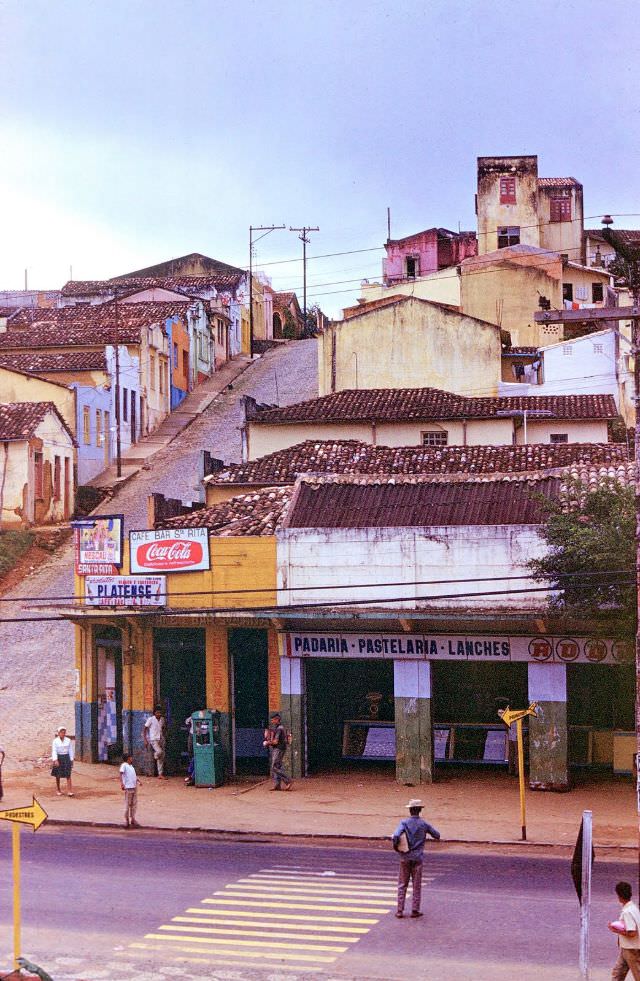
{"type": "Point", "coordinates": [592, 554]}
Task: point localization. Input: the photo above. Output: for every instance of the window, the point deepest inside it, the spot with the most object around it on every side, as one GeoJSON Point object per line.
{"type": "Point", "coordinates": [125, 405]}
{"type": "Point", "coordinates": [508, 235]}
{"type": "Point", "coordinates": [163, 377]}
{"type": "Point", "coordinates": [567, 350]}
{"type": "Point", "coordinates": [560, 209]}
{"type": "Point", "coordinates": [185, 364]}
{"type": "Point", "coordinates": [86, 425]}
{"type": "Point", "coordinates": [99, 432]}
{"type": "Point", "coordinates": [597, 292]}
{"type": "Point", "coordinates": [435, 437]}
{"type": "Point", "coordinates": [558, 437]}
{"type": "Point", "coordinates": [220, 333]}
{"type": "Point", "coordinates": [175, 355]}
{"type": "Point", "coordinates": [152, 371]}
{"type": "Point", "coordinates": [56, 478]}
{"type": "Point", "coordinates": [567, 291]}
{"type": "Point", "coordinates": [412, 264]}
{"type": "Point", "coordinates": [507, 190]}
{"type": "Point", "coordinates": [38, 473]}
{"type": "Point", "coordinates": [598, 349]}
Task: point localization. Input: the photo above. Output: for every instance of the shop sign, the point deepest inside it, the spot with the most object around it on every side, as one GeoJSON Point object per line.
{"type": "Point", "coordinates": [98, 544]}
{"type": "Point", "coordinates": [125, 590]}
{"type": "Point", "coordinates": [169, 550]}
{"type": "Point", "coordinates": [568, 650]}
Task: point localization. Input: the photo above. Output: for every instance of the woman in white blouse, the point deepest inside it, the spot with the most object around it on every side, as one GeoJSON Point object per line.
{"type": "Point", "coordinates": [62, 757]}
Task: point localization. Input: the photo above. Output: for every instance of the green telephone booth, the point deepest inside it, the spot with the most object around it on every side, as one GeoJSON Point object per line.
{"type": "Point", "coordinates": [207, 751]}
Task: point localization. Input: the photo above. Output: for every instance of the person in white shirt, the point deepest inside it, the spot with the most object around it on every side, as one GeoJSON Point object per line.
{"type": "Point", "coordinates": [154, 730]}
{"type": "Point", "coordinates": [129, 783]}
{"type": "Point", "coordinates": [627, 929]}
{"type": "Point", "coordinates": [62, 759]}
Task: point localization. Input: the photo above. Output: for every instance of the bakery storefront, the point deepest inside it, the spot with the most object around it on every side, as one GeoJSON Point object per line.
{"type": "Point", "coordinates": [420, 703]}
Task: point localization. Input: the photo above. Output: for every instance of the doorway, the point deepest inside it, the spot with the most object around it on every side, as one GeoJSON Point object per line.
{"type": "Point", "coordinates": [108, 646]}
{"type": "Point", "coordinates": [248, 652]}
{"type": "Point", "coordinates": [342, 691]}
{"type": "Point", "coordinates": [181, 664]}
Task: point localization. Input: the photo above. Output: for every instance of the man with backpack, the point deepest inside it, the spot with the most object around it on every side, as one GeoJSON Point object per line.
{"type": "Point", "coordinates": [408, 840]}
{"type": "Point", "coordinates": [277, 740]}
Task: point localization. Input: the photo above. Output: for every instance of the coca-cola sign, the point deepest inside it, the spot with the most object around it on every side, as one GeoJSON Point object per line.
{"type": "Point", "coordinates": [169, 550]}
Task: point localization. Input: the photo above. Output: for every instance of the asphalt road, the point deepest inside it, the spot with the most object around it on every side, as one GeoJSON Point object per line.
{"type": "Point", "coordinates": [132, 906]}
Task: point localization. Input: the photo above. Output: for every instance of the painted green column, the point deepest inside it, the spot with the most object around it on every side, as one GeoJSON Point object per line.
{"type": "Point", "coordinates": [414, 742]}
{"type": "Point", "coordinates": [548, 732]}
{"type": "Point", "coordinates": [292, 688]}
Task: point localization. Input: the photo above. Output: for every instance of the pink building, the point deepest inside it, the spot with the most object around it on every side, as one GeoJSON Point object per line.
{"type": "Point", "coordinates": [426, 252]}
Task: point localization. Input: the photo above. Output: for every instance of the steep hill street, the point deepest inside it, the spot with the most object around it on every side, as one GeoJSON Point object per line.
{"type": "Point", "coordinates": [37, 659]}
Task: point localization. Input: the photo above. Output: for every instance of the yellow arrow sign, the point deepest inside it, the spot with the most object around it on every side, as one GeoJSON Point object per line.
{"type": "Point", "coordinates": [32, 814]}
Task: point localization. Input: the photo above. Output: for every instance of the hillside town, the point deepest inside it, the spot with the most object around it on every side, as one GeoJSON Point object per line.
{"type": "Point", "coordinates": [266, 513]}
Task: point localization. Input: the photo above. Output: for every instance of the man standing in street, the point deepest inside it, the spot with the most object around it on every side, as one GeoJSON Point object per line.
{"type": "Point", "coordinates": [627, 929]}
{"type": "Point", "coordinates": [129, 783]}
{"type": "Point", "coordinates": [408, 840]}
{"type": "Point", "coordinates": [276, 740]}
{"type": "Point", "coordinates": [154, 730]}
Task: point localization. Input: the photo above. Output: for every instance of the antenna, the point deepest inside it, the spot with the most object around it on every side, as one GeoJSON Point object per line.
{"type": "Point", "coordinates": [388, 224]}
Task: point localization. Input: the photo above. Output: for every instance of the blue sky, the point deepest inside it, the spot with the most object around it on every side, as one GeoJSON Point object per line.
{"type": "Point", "coordinates": [134, 131]}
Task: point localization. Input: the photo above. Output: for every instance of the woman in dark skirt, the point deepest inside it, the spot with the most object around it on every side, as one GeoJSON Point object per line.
{"type": "Point", "coordinates": [62, 757]}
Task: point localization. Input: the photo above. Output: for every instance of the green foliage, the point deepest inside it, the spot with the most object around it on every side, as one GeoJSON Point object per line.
{"type": "Point", "coordinates": [289, 329]}
{"type": "Point", "coordinates": [592, 554]}
{"type": "Point", "coordinates": [13, 544]}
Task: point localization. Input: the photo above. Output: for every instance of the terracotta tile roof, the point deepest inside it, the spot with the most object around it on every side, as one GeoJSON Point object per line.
{"type": "Point", "coordinates": [88, 326]}
{"type": "Point", "coordinates": [388, 404]}
{"type": "Point", "coordinates": [189, 285]}
{"type": "Point", "coordinates": [49, 362]}
{"type": "Point", "coordinates": [396, 299]}
{"type": "Point", "coordinates": [259, 513]}
{"type": "Point", "coordinates": [172, 267]}
{"type": "Point", "coordinates": [19, 420]}
{"type": "Point", "coordinates": [558, 182]}
{"type": "Point", "coordinates": [355, 457]}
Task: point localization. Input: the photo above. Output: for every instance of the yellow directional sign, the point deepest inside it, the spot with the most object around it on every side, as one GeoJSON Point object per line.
{"type": "Point", "coordinates": [33, 814]}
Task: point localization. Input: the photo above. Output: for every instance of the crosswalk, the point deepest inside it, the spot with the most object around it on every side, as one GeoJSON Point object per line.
{"type": "Point", "coordinates": [296, 917]}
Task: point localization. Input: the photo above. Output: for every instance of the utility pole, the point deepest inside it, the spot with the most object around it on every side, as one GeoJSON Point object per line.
{"type": "Point", "coordinates": [117, 392]}
{"type": "Point", "coordinates": [630, 256]}
{"type": "Point", "coordinates": [305, 241]}
{"type": "Point", "coordinates": [265, 229]}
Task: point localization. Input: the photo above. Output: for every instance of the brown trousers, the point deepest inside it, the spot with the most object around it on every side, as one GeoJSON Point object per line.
{"type": "Point", "coordinates": [628, 960]}
{"type": "Point", "coordinates": [409, 869]}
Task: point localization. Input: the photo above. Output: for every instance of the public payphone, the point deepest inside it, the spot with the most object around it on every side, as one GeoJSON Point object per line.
{"type": "Point", "coordinates": [207, 751]}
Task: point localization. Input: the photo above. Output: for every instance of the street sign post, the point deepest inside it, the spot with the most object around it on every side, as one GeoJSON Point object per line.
{"type": "Point", "coordinates": [581, 866]}
{"type": "Point", "coordinates": [509, 716]}
{"type": "Point", "coordinates": [34, 816]}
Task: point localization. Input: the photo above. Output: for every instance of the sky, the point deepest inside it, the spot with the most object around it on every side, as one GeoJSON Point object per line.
{"type": "Point", "coordinates": [133, 131]}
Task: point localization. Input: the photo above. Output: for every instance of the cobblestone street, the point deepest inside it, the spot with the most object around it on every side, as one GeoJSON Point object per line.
{"type": "Point", "coordinates": [36, 658]}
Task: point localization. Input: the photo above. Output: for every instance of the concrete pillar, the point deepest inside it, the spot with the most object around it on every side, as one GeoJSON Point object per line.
{"type": "Point", "coordinates": [86, 705]}
{"type": "Point", "coordinates": [292, 689]}
{"type": "Point", "coordinates": [217, 683]}
{"type": "Point", "coordinates": [414, 743]}
{"type": "Point", "coordinates": [548, 754]}
{"type": "Point", "coordinates": [138, 692]}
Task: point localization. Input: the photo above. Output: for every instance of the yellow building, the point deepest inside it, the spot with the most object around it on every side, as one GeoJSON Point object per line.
{"type": "Point", "coordinates": [404, 342]}
{"type": "Point", "coordinates": [507, 286]}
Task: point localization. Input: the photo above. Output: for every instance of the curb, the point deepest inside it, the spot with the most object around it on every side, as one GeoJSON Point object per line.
{"type": "Point", "coordinates": [318, 838]}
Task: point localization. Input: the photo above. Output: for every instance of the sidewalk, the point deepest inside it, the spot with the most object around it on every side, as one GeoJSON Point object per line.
{"type": "Point", "coordinates": [196, 402]}
{"type": "Point", "coordinates": [466, 807]}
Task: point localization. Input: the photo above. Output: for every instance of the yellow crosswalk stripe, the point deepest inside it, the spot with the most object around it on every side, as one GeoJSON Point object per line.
{"type": "Point", "coordinates": [281, 916]}
{"type": "Point", "coordinates": [316, 906]}
{"type": "Point", "coordinates": [215, 959]}
{"type": "Point", "coordinates": [252, 893]}
{"type": "Point", "coordinates": [205, 917]}
{"type": "Point", "coordinates": [277, 944]}
{"type": "Point", "coordinates": [245, 953]}
{"type": "Point", "coordinates": [226, 931]}
{"type": "Point", "coordinates": [326, 886]}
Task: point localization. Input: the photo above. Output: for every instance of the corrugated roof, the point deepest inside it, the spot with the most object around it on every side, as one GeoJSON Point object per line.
{"type": "Point", "coordinates": [355, 457]}
{"type": "Point", "coordinates": [389, 404]}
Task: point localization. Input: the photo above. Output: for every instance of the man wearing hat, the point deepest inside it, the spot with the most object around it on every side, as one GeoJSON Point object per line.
{"type": "Point", "coordinates": [408, 840]}
{"type": "Point", "coordinates": [276, 739]}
